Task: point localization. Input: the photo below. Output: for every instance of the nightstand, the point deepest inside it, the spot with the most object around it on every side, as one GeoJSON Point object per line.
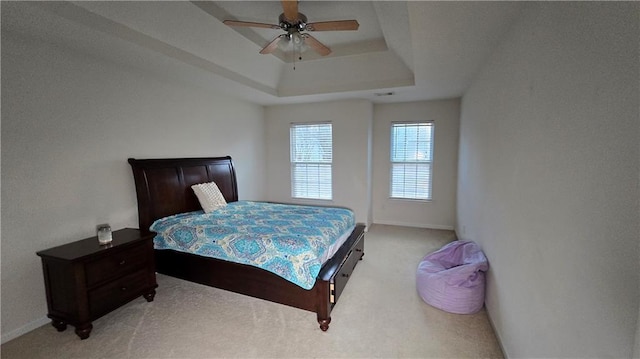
{"type": "Point", "coordinates": [85, 280]}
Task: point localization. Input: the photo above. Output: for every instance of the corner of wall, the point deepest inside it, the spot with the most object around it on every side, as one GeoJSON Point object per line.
{"type": "Point", "coordinates": [24, 329]}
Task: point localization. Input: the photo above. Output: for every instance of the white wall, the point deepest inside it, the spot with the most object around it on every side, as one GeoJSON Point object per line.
{"type": "Point", "coordinates": [361, 134]}
{"type": "Point", "coordinates": [440, 211]}
{"type": "Point", "coordinates": [636, 348]}
{"type": "Point", "coordinates": [352, 121]}
{"type": "Point", "coordinates": [69, 123]}
{"type": "Point", "coordinates": [548, 180]}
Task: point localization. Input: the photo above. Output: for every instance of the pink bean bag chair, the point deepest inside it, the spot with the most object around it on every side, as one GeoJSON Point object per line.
{"type": "Point", "coordinates": [452, 278]}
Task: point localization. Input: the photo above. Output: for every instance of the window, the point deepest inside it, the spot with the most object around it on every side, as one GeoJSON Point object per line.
{"type": "Point", "coordinates": [411, 160]}
{"type": "Point", "coordinates": [311, 158]}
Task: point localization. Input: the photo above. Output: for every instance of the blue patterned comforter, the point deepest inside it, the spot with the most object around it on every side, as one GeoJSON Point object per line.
{"type": "Point", "coordinates": [288, 240]}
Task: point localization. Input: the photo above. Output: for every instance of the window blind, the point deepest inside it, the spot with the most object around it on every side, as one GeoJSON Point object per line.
{"type": "Point", "coordinates": [411, 160]}
{"type": "Point", "coordinates": [311, 160]}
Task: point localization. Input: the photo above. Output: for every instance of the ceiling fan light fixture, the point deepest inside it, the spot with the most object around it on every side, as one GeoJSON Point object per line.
{"type": "Point", "coordinates": [285, 42]}
{"type": "Point", "coordinates": [293, 41]}
{"type": "Point", "coordinates": [298, 41]}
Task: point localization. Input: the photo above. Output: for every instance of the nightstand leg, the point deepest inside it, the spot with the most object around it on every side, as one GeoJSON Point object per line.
{"type": "Point", "coordinates": [150, 295]}
{"type": "Point", "coordinates": [59, 325]}
{"type": "Point", "coordinates": [83, 331]}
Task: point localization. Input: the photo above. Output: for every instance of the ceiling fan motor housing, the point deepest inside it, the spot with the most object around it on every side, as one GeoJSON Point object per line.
{"type": "Point", "coordinates": [299, 25]}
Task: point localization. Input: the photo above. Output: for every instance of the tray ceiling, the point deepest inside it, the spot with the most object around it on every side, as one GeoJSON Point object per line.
{"type": "Point", "coordinates": [414, 50]}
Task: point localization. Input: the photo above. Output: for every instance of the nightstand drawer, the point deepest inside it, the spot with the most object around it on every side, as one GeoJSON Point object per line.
{"type": "Point", "coordinates": [111, 295]}
{"type": "Point", "coordinates": [116, 264]}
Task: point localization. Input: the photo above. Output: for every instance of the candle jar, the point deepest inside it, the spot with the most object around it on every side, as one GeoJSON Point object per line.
{"type": "Point", "coordinates": [104, 234]}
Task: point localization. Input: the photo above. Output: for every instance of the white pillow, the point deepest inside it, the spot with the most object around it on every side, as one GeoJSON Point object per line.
{"type": "Point", "coordinates": [209, 196]}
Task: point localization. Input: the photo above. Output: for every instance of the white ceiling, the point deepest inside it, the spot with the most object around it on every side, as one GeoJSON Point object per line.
{"type": "Point", "coordinates": [417, 50]}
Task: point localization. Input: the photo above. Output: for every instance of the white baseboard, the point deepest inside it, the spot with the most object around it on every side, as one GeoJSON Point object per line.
{"type": "Point", "coordinates": [25, 329]}
{"type": "Point", "coordinates": [498, 337]}
{"type": "Point", "coordinates": [418, 225]}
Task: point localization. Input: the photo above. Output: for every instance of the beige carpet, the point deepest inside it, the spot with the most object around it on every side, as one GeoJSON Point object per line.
{"type": "Point", "coordinates": [379, 315]}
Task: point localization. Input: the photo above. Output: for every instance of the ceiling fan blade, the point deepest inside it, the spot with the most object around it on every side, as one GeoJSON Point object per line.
{"type": "Point", "coordinates": [290, 9]}
{"type": "Point", "coordinates": [250, 24]}
{"type": "Point", "coordinates": [339, 25]}
{"type": "Point", "coordinates": [316, 45]}
{"type": "Point", "coordinates": [272, 45]}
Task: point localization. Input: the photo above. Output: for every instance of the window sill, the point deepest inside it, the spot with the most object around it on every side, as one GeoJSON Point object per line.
{"type": "Point", "coordinates": [395, 199]}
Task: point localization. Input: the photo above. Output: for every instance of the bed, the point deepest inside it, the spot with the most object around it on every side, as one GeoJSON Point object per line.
{"type": "Point", "coordinates": [163, 188]}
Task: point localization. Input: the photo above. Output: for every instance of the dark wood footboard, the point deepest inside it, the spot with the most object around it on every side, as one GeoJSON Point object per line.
{"type": "Point", "coordinates": [336, 272]}
{"type": "Point", "coordinates": [258, 283]}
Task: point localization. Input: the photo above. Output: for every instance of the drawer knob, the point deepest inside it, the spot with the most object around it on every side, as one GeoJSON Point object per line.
{"type": "Point", "coordinates": [346, 275]}
{"type": "Point", "coordinates": [124, 289]}
{"type": "Point", "coordinates": [122, 262]}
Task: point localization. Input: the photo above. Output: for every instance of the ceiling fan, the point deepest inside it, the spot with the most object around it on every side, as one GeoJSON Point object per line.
{"type": "Point", "coordinates": [294, 23]}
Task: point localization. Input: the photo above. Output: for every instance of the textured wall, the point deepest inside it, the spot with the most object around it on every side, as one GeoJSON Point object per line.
{"type": "Point", "coordinates": [351, 132]}
{"type": "Point", "coordinates": [69, 123]}
{"type": "Point", "coordinates": [548, 180]}
{"type": "Point", "coordinates": [440, 212]}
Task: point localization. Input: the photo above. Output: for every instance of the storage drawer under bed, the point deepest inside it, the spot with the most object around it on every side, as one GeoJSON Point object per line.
{"type": "Point", "coordinates": [342, 275]}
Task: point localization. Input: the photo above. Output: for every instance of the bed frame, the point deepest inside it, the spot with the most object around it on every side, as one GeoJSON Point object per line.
{"type": "Point", "coordinates": [163, 188]}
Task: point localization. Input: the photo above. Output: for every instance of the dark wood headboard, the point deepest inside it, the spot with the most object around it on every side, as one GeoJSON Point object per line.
{"type": "Point", "coordinates": [163, 186]}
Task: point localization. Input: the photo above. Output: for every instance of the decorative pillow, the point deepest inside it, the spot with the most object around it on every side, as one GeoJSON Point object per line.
{"type": "Point", "coordinates": [209, 196]}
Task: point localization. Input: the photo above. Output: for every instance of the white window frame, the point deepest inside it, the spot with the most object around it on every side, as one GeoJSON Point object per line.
{"type": "Point", "coordinates": [315, 179]}
{"type": "Point", "coordinates": [411, 189]}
